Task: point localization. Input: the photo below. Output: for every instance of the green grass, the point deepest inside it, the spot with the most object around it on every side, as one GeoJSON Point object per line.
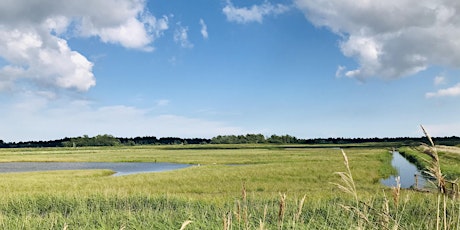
{"type": "Point", "coordinates": [205, 194]}
{"type": "Point", "coordinates": [449, 160]}
{"type": "Point", "coordinates": [221, 173]}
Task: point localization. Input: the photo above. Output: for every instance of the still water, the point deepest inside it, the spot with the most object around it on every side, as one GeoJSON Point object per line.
{"type": "Point", "coordinates": [120, 168]}
{"type": "Point", "coordinates": [406, 172]}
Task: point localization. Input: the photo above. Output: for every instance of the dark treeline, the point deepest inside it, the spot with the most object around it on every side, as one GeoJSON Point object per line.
{"type": "Point", "coordinates": [105, 140]}
{"type": "Point", "coordinates": [109, 140]}
{"type": "Point", "coordinates": [287, 139]}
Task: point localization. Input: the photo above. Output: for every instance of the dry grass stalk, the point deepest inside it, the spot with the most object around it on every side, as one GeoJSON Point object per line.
{"type": "Point", "coordinates": [458, 218]}
{"type": "Point", "coordinates": [184, 225]}
{"type": "Point", "coordinates": [455, 189]}
{"type": "Point", "coordinates": [245, 207]}
{"type": "Point", "coordinates": [262, 221]}
{"type": "Point", "coordinates": [397, 191]}
{"type": "Point", "coordinates": [65, 226]}
{"type": "Point", "coordinates": [362, 216]}
{"type": "Point", "coordinates": [238, 212]}
{"type": "Point", "coordinates": [261, 224]}
{"type": "Point", "coordinates": [387, 217]}
{"type": "Point", "coordinates": [299, 211]}
{"type": "Point", "coordinates": [386, 212]}
{"type": "Point", "coordinates": [434, 169]}
{"type": "Point", "coordinates": [226, 219]}
{"type": "Point", "coordinates": [348, 185]}
{"type": "Point", "coordinates": [282, 210]}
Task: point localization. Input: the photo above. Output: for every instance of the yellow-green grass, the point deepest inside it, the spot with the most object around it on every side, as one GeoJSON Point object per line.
{"type": "Point", "coordinates": [205, 194]}
{"type": "Point", "coordinates": [217, 174]}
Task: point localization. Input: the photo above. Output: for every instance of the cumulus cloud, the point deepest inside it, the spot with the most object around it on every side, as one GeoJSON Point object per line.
{"type": "Point", "coordinates": [255, 13]}
{"type": "Point", "coordinates": [33, 38]}
{"type": "Point", "coordinates": [204, 29]}
{"type": "Point", "coordinates": [393, 38]}
{"type": "Point", "coordinates": [42, 58]}
{"type": "Point", "coordinates": [448, 92]}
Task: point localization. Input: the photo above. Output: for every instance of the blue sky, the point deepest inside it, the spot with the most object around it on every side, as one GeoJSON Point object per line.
{"type": "Point", "coordinates": [308, 68]}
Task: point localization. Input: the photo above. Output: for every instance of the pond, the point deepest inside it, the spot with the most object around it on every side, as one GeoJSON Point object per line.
{"type": "Point", "coordinates": [120, 169]}
{"type": "Point", "coordinates": [406, 172]}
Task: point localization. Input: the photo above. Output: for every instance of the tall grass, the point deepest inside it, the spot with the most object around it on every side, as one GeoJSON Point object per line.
{"type": "Point", "coordinates": [368, 215]}
{"type": "Point", "coordinates": [211, 196]}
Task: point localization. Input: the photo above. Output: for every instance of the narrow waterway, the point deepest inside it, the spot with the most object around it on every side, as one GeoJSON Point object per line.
{"type": "Point", "coordinates": [406, 172]}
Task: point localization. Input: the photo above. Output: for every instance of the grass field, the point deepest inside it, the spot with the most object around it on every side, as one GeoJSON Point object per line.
{"type": "Point", "coordinates": [230, 187]}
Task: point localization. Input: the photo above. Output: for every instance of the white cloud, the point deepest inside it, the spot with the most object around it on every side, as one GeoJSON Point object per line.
{"type": "Point", "coordinates": [181, 36]}
{"type": "Point", "coordinates": [448, 92]}
{"type": "Point", "coordinates": [204, 29]}
{"type": "Point", "coordinates": [41, 120]}
{"type": "Point", "coordinates": [45, 59]}
{"type": "Point", "coordinates": [439, 80]}
{"type": "Point", "coordinates": [34, 47]}
{"type": "Point", "coordinates": [162, 102]}
{"type": "Point", "coordinates": [393, 38]}
{"type": "Point", "coordinates": [339, 71]}
{"type": "Point", "coordinates": [255, 13]}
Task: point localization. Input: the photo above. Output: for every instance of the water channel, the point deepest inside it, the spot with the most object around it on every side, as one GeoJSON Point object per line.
{"type": "Point", "coordinates": [406, 172]}
{"type": "Point", "coordinates": [120, 169]}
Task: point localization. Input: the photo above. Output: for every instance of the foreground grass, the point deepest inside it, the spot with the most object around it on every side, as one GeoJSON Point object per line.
{"type": "Point", "coordinates": [164, 212]}
{"type": "Point", "coordinates": [210, 195]}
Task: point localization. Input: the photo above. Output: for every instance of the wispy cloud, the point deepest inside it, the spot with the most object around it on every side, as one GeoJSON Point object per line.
{"type": "Point", "coordinates": [448, 92]}
{"type": "Point", "coordinates": [439, 80]}
{"type": "Point", "coordinates": [204, 29]}
{"type": "Point", "coordinates": [255, 13]}
{"type": "Point", "coordinates": [162, 102]}
{"type": "Point", "coordinates": [339, 71]}
{"type": "Point", "coordinates": [181, 36]}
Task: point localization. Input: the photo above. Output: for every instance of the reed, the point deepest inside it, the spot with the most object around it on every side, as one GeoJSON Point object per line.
{"type": "Point", "coordinates": [368, 216]}
{"type": "Point", "coordinates": [434, 170]}
{"type": "Point", "coordinates": [282, 210]}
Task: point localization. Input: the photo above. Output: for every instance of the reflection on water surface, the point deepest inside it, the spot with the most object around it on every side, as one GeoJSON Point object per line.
{"type": "Point", "coordinates": [120, 168]}
{"type": "Point", "coordinates": [406, 172]}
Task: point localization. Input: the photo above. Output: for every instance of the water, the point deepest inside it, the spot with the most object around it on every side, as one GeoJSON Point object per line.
{"type": "Point", "coordinates": [406, 172]}
{"type": "Point", "coordinates": [120, 168]}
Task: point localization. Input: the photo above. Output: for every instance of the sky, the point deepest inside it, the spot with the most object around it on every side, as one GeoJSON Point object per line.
{"type": "Point", "coordinates": [307, 68]}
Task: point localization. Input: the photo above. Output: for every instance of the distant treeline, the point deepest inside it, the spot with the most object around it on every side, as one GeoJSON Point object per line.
{"type": "Point", "coordinates": [105, 140]}
{"type": "Point", "coordinates": [109, 140]}
{"type": "Point", "coordinates": [287, 139]}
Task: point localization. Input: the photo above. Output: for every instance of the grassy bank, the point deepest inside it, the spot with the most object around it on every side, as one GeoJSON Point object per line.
{"type": "Point", "coordinates": [449, 159]}
{"type": "Point", "coordinates": [238, 187]}
{"type": "Point", "coordinates": [218, 174]}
